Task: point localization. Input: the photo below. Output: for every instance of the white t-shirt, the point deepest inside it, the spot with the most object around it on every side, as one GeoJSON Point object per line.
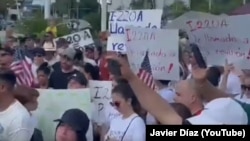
{"type": "Point", "coordinates": [16, 124]}
{"type": "Point", "coordinates": [233, 84]}
{"type": "Point", "coordinates": [168, 95]}
{"type": "Point", "coordinates": [135, 126]}
{"type": "Point", "coordinates": [110, 114]}
{"type": "Point", "coordinates": [243, 99]}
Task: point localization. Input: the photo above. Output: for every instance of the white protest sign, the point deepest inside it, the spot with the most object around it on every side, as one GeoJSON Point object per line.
{"type": "Point", "coordinates": [101, 98]}
{"type": "Point", "coordinates": [79, 39]}
{"type": "Point", "coordinates": [161, 48]}
{"type": "Point", "coordinates": [222, 38]}
{"type": "Point", "coordinates": [53, 103]}
{"type": "Point", "coordinates": [116, 43]}
{"type": "Point", "coordinates": [118, 20]}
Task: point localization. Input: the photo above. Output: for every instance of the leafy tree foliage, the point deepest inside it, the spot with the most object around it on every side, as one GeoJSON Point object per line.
{"type": "Point", "coordinates": [4, 4]}
{"type": "Point", "coordinates": [38, 24]}
{"type": "Point", "coordinates": [88, 10]}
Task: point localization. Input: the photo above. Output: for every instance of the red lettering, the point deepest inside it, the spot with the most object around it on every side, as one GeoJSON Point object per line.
{"type": "Point", "coordinates": [159, 68]}
{"type": "Point", "coordinates": [203, 24]}
{"type": "Point", "coordinates": [190, 26]}
{"type": "Point", "coordinates": [206, 23]}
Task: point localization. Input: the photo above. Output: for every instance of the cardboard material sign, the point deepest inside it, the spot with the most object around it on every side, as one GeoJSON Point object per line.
{"type": "Point", "coordinates": [79, 39]}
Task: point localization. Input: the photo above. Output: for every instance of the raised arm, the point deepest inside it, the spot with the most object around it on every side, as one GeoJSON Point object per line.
{"type": "Point", "coordinates": [149, 99]}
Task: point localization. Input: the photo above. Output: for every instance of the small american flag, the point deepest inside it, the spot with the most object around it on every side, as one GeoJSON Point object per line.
{"type": "Point", "coordinates": [22, 68]}
{"type": "Point", "coordinates": [145, 73]}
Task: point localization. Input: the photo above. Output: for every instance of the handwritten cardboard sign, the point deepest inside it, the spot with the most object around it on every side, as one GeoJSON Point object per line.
{"type": "Point", "coordinates": [79, 39]}
{"type": "Point", "coordinates": [118, 20]}
{"type": "Point", "coordinates": [162, 48]}
{"type": "Point", "coordinates": [222, 38]}
{"type": "Point", "coordinates": [53, 103]}
{"type": "Point", "coordinates": [101, 98]}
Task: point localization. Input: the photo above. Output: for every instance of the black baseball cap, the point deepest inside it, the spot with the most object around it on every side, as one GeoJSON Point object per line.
{"type": "Point", "coordinates": [76, 119]}
{"type": "Point", "coordinates": [80, 78]}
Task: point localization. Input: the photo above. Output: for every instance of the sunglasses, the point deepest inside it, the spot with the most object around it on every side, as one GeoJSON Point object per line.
{"type": "Point", "coordinates": [245, 87]}
{"type": "Point", "coordinates": [115, 104]}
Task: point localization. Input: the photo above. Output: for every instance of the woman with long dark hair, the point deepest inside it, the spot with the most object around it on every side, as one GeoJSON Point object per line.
{"type": "Point", "coordinates": [196, 59]}
{"type": "Point", "coordinates": [129, 126]}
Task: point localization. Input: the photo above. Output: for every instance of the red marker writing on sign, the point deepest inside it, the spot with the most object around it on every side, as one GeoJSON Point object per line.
{"type": "Point", "coordinates": [170, 67]}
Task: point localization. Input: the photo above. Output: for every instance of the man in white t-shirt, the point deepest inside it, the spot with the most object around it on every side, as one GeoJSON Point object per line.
{"type": "Point", "coordinates": [15, 120]}
{"type": "Point", "coordinates": [233, 86]}
{"type": "Point", "coordinates": [166, 93]}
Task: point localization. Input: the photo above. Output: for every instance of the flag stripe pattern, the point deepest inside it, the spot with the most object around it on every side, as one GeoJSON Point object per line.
{"type": "Point", "coordinates": [145, 73]}
{"type": "Point", "coordinates": [22, 68]}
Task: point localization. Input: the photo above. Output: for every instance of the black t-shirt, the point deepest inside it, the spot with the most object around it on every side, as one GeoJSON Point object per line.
{"type": "Point", "coordinates": [56, 66]}
{"type": "Point", "coordinates": [186, 122]}
{"type": "Point", "coordinates": [59, 79]}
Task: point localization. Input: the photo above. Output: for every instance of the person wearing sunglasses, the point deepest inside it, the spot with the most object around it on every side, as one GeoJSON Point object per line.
{"type": "Point", "coordinates": [129, 126]}
{"type": "Point", "coordinates": [38, 60]}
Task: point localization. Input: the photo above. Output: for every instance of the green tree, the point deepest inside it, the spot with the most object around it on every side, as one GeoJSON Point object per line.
{"type": "Point", "coordinates": [225, 6]}
{"type": "Point", "coordinates": [70, 7]}
{"type": "Point", "coordinates": [95, 21]}
{"type": "Point", "coordinates": [142, 4]}
{"type": "Point", "coordinates": [89, 10]}
{"type": "Point", "coordinates": [199, 5]}
{"type": "Point", "coordinates": [217, 6]}
{"type": "Point", "coordinates": [4, 4]}
{"type": "Point", "coordinates": [37, 25]}
{"type": "Point", "coordinates": [178, 8]}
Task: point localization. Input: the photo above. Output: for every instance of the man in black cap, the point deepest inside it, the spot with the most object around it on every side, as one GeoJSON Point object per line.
{"type": "Point", "coordinates": [72, 126]}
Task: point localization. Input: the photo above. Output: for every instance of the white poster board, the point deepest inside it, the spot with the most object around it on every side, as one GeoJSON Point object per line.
{"type": "Point", "coordinates": [79, 39]}
{"type": "Point", "coordinates": [118, 20]}
{"type": "Point", "coordinates": [53, 103]}
{"type": "Point", "coordinates": [221, 38]}
{"type": "Point", "coordinates": [162, 47]}
{"type": "Point", "coordinates": [101, 97]}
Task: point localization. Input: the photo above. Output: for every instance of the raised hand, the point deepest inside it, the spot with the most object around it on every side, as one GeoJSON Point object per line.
{"type": "Point", "coordinates": [126, 72]}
